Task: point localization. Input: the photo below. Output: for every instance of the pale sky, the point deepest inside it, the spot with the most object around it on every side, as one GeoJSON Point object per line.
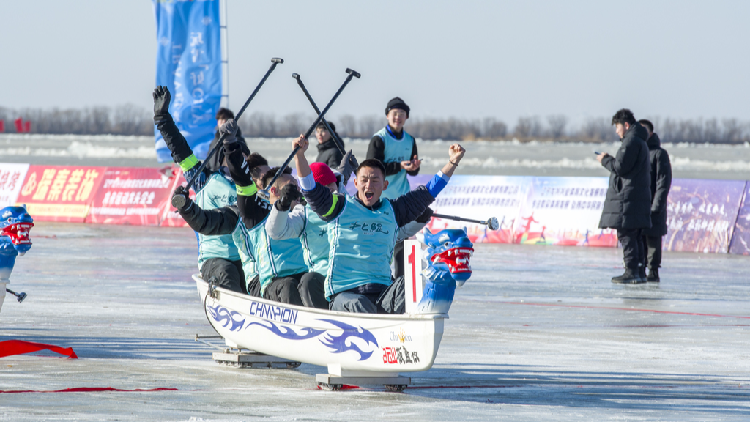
{"type": "Point", "coordinates": [467, 59]}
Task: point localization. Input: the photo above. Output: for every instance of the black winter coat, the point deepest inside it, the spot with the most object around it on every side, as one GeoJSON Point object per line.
{"type": "Point", "coordinates": [661, 181]}
{"type": "Point", "coordinates": [628, 201]}
{"type": "Point", "coordinates": [330, 154]}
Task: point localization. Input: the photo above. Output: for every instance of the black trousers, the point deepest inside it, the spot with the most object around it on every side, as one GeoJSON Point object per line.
{"type": "Point", "coordinates": [253, 287]}
{"type": "Point", "coordinates": [398, 256]}
{"type": "Point", "coordinates": [633, 253]}
{"type": "Point", "coordinates": [284, 290]}
{"type": "Point", "coordinates": [312, 290]}
{"type": "Point", "coordinates": [224, 273]}
{"type": "Point", "coordinates": [652, 247]}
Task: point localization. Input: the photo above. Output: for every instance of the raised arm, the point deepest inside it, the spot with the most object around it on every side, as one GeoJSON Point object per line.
{"type": "Point", "coordinates": [182, 154]}
{"type": "Point", "coordinates": [322, 201]}
{"type": "Point", "coordinates": [411, 205]}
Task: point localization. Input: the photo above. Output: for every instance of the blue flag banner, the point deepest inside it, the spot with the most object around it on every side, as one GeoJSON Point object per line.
{"type": "Point", "coordinates": [188, 61]}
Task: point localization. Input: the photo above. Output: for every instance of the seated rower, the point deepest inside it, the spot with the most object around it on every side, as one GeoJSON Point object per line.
{"type": "Point", "coordinates": [362, 231]}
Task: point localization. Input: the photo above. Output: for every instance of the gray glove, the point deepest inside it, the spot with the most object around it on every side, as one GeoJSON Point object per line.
{"type": "Point", "coordinates": [228, 131]}
{"type": "Point", "coordinates": [348, 166]}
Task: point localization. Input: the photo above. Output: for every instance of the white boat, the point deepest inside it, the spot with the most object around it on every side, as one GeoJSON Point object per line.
{"type": "Point", "coordinates": [356, 348]}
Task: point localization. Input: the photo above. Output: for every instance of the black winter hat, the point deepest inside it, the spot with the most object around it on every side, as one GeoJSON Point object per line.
{"type": "Point", "coordinates": [323, 125]}
{"type": "Point", "coordinates": [397, 102]}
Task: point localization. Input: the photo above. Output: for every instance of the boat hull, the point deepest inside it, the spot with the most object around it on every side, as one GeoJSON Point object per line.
{"type": "Point", "coordinates": [346, 343]}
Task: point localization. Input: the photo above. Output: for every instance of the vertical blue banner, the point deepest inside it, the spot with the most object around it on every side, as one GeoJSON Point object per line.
{"type": "Point", "coordinates": [188, 61]}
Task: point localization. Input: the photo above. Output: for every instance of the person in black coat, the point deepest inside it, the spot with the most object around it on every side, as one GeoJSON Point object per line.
{"type": "Point", "coordinates": [216, 162]}
{"type": "Point", "coordinates": [328, 152]}
{"type": "Point", "coordinates": [661, 181]}
{"type": "Point", "coordinates": [627, 206]}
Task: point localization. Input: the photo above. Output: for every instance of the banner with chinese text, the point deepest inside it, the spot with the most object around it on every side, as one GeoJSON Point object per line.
{"type": "Point", "coordinates": [60, 193]}
{"type": "Point", "coordinates": [136, 196]}
{"type": "Point", "coordinates": [702, 214]}
{"type": "Point", "coordinates": [479, 198]}
{"type": "Point", "coordinates": [741, 236]}
{"type": "Point", "coordinates": [188, 61]}
{"type": "Point", "coordinates": [11, 180]}
{"type": "Point", "coordinates": [170, 217]}
{"type": "Point", "coordinates": [564, 211]}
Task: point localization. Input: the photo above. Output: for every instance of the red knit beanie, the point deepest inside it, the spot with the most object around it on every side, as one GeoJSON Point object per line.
{"type": "Point", "coordinates": [322, 174]}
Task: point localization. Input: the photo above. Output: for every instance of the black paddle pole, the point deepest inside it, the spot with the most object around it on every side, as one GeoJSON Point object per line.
{"type": "Point", "coordinates": [274, 62]}
{"type": "Point", "coordinates": [20, 296]}
{"type": "Point", "coordinates": [491, 223]}
{"type": "Point", "coordinates": [335, 136]}
{"type": "Point", "coordinates": [352, 74]}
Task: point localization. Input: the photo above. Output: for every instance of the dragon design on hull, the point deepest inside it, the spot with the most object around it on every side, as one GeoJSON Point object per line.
{"type": "Point", "coordinates": [447, 256]}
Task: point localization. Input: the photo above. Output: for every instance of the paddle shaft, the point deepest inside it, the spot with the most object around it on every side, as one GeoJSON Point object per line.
{"type": "Point", "coordinates": [453, 217]}
{"type": "Point", "coordinates": [334, 135]}
{"type": "Point", "coordinates": [312, 127]}
{"type": "Point", "coordinates": [219, 144]}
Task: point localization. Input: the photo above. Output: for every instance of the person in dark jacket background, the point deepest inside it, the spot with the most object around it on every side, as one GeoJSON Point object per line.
{"type": "Point", "coordinates": [661, 181]}
{"type": "Point", "coordinates": [627, 206]}
{"type": "Point", "coordinates": [216, 162]}
{"type": "Point", "coordinates": [328, 152]}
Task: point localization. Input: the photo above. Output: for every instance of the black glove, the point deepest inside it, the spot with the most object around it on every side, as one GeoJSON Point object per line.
{"type": "Point", "coordinates": [228, 131]}
{"type": "Point", "coordinates": [288, 194]}
{"type": "Point", "coordinates": [425, 217]}
{"type": "Point", "coordinates": [162, 98]}
{"type": "Point", "coordinates": [348, 166]}
{"type": "Point", "coordinates": [181, 198]}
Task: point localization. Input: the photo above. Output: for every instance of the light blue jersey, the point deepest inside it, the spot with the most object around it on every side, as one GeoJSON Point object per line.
{"type": "Point", "coordinates": [362, 242]}
{"type": "Point", "coordinates": [396, 151]}
{"type": "Point", "coordinates": [219, 191]}
{"type": "Point", "coordinates": [274, 258]}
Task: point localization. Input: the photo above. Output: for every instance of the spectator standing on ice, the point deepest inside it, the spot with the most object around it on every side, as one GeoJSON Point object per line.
{"type": "Point", "coordinates": [627, 206]}
{"type": "Point", "coordinates": [328, 152]}
{"type": "Point", "coordinates": [661, 181]}
{"type": "Point", "coordinates": [397, 150]}
{"type": "Point", "coordinates": [218, 259]}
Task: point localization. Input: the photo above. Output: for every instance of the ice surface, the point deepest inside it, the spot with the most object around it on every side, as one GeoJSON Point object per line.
{"type": "Point", "coordinates": [538, 333]}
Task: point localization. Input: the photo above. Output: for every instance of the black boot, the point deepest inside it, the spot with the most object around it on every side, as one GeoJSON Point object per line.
{"type": "Point", "coordinates": [629, 277]}
{"type": "Point", "coordinates": [642, 273]}
{"type": "Point", "coordinates": [653, 275]}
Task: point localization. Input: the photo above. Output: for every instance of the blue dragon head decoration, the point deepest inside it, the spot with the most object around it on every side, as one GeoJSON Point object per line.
{"type": "Point", "coordinates": [15, 224]}
{"type": "Point", "coordinates": [447, 256]}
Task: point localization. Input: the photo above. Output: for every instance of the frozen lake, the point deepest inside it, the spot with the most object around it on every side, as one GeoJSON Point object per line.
{"type": "Point", "coordinates": [537, 333]}
{"type": "Point", "coordinates": [495, 158]}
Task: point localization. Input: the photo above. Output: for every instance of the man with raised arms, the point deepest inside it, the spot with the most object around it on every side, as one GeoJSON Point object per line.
{"type": "Point", "coordinates": [218, 258]}
{"type": "Point", "coordinates": [300, 221]}
{"type": "Point", "coordinates": [362, 231]}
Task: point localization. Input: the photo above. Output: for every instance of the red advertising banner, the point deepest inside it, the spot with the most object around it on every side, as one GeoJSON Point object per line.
{"type": "Point", "coordinates": [170, 217]}
{"type": "Point", "coordinates": [60, 193]}
{"type": "Point", "coordinates": [136, 196]}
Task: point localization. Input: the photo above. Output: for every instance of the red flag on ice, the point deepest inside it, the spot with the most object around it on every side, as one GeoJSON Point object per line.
{"type": "Point", "coordinates": [19, 347]}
